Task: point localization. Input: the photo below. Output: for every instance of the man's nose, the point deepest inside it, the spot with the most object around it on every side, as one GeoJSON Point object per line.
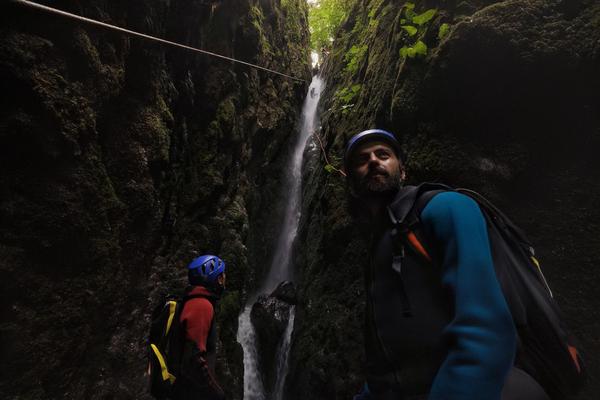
{"type": "Point", "coordinates": [373, 159]}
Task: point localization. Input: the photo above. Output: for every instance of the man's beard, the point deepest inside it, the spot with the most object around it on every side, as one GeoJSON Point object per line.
{"type": "Point", "coordinates": [370, 187]}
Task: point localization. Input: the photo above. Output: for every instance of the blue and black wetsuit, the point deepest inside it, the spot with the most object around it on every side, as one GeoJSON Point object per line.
{"type": "Point", "coordinates": [457, 340]}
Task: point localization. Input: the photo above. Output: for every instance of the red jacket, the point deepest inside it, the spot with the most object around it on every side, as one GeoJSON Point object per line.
{"type": "Point", "coordinates": [198, 364]}
{"type": "Point", "coordinates": [197, 314]}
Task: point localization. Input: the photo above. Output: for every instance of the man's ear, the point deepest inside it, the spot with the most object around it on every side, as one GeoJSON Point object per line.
{"type": "Point", "coordinates": [402, 173]}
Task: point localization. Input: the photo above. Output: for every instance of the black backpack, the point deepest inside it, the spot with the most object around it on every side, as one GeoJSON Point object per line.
{"type": "Point", "coordinates": [546, 349]}
{"type": "Point", "coordinates": [166, 341]}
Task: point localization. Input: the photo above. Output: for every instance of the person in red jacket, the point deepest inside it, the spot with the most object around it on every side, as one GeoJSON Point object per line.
{"type": "Point", "coordinates": [206, 275]}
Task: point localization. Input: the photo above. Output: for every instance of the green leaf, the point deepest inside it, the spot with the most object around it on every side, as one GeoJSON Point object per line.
{"type": "Point", "coordinates": [404, 52]}
{"type": "Point", "coordinates": [329, 168]}
{"type": "Point", "coordinates": [425, 17]}
{"type": "Point", "coordinates": [410, 29]}
{"type": "Point", "coordinates": [444, 29]}
{"type": "Point", "coordinates": [402, 21]}
{"type": "Point", "coordinates": [409, 10]}
{"type": "Point", "coordinates": [348, 94]}
{"type": "Point", "coordinates": [354, 58]}
{"type": "Point", "coordinates": [411, 52]}
{"type": "Point", "coordinates": [420, 48]}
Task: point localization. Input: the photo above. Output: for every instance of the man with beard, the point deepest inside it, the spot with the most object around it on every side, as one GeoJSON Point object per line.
{"type": "Point", "coordinates": [441, 331]}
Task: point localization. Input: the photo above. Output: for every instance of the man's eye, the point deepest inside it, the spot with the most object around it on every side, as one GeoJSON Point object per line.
{"type": "Point", "coordinates": [361, 159]}
{"type": "Point", "coordinates": [383, 155]}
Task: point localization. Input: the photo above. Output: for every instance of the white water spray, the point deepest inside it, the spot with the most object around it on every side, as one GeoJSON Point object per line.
{"type": "Point", "coordinates": [282, 356]}
{"type": "Point", "coordinates": [281, 267]}
{"type": "Point", "coordinates": [253, 386]}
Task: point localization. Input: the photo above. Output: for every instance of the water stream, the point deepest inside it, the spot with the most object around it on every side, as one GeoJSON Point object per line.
{"type": "Point", "coordinates": [281, 266]}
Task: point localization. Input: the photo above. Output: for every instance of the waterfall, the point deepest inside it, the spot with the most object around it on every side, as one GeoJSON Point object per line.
{"type": "Point", "coordinates": [282, 357]}
{"type": "Point", "coordinates": [253, 387]}
{"type": "Point", "coordinates": [281, 266]}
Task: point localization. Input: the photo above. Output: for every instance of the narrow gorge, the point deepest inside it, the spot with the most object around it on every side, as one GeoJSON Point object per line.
{"type": "Point", "coordinates": [121, 159]}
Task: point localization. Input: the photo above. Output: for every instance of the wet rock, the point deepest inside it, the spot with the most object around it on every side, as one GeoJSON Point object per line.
{"type": "Point", "coordinates": [506, 104]}
{"type": "Point", "coordinates": [120, 161]}
{"type": "Point", "coordinates": [286, 292]}
{"type": "Point", "coordinates": [270, 316]}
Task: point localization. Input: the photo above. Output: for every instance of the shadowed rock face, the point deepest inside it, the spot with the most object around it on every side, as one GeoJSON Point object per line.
{"type": "Point", "coordinates": [286, 292]}
{"type": "Point", "coordinates": [507, 104]}
{"type": "Point", "coordinates": [270, 316]}
{"type": "Point", "coordinates": [121, 160]}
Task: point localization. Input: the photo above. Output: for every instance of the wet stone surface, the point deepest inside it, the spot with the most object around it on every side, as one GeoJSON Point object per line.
{"type": "Point", "coordinates": [270, 316]}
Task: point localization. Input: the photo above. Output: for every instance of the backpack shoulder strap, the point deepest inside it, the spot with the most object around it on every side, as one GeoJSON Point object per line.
{"type": "Point", "coordinates": [415, 235]}
{"type": "Point", "coordinates": [404, 204]}
{"type": "Point", "coordinates": [405, 215]}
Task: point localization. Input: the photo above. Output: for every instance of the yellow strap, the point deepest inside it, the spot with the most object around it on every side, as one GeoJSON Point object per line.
{"type": "Point", "coordinates": [163, 365]}
{"type": "Point", "coordinates": [537, 264]}
{"type": "Point", "coordinates": [172, 307]}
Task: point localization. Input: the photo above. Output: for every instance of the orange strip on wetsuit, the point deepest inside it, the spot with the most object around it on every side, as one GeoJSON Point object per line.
{"type": "Point", "coordinates": [412, 238]}
{"type": "Point", "coordinates": [573, 352]}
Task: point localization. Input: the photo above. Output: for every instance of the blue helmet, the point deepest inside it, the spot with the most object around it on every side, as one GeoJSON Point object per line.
{"type": "Point", "coordinates": [370, 135]}
{"type": "Point", "coordinates": [205, 270]}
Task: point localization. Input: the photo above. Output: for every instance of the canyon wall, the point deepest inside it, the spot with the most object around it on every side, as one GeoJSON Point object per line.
{"type": "Point", "coordinates": [121, 160]}
{"type": "Point", "coordinates": [502, 97]}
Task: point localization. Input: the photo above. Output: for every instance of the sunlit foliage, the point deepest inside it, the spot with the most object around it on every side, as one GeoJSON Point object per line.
{"type": "Point", "coordinates": [324, 17]}
{"type": "Point", "coordinates": [416, 25]}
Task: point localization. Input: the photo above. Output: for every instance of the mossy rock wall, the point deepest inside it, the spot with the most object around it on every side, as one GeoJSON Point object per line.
{"type": "Point", "coordinates": [505, 101]}
{"type": "Point", "coordinates": [120, 160]}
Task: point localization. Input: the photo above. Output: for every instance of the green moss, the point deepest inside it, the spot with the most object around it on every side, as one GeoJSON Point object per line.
{"type": "Point", "coordinates": [151, 127]}
{"type": "Point", "coordinates": [295, 20]}
{"type": "Point", "coordinates": [82, 43]}
{"type": "Point", "coordinates": [257, 19]}
{"type": "Point", "coordinates": [229, 306]}
{"type": "Point", "coordinates": [374, 9]}
{"type": "Point", "coordinates": [226, 111]}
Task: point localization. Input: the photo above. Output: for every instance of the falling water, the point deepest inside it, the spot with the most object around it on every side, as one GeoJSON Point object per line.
{"type": "Point", "coordinates": [282, 356]}
{"type": "Point", "coordinates": [253, 387]}
{"type": "Point", "coordinates": [281, 267]}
